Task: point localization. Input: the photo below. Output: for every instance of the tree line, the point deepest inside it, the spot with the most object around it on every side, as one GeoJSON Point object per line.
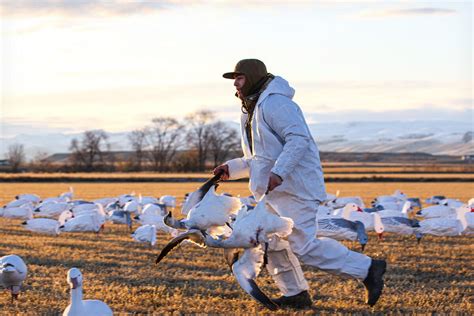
{"type": "Point", "coordinates": [166, 144]}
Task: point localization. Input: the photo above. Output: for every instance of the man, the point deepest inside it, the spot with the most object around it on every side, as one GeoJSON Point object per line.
{"type": "Point", "coordinates": [282, 159]}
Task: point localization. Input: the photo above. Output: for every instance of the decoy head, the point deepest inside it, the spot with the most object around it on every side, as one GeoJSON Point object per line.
{"type": "Point", "coordinates": [74, 278]}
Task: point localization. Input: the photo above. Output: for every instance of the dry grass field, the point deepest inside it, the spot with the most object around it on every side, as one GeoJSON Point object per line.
{"type": "Point", "coordinates": [434, 277]}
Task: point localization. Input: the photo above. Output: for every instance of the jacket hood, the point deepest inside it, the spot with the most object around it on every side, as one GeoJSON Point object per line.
{"type": "Point", "coordinates": [277, 86]}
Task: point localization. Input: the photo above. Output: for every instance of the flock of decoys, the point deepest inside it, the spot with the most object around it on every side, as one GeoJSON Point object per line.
{"type": "Point", "coordinates": [243, 227]}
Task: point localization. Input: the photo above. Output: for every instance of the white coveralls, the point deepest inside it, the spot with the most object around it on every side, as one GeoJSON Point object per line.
{"type": "Point", "coordinates": [282, 144]}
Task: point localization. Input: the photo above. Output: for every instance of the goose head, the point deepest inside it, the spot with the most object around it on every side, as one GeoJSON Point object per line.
{"type": "Point", "coordinates": [74, 278]}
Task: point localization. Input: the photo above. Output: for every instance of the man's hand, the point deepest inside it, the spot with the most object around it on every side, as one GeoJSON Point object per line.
{"type": "Point", "coordinates": [274, 181]}
{"type": "Point", "coordinates": [224, 169]}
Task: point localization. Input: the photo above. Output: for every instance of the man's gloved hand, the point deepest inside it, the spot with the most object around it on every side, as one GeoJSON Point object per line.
{"type": "Point", "coordinates": [274, 181]}
{"type": "Point", "coordinates": [225, 171]}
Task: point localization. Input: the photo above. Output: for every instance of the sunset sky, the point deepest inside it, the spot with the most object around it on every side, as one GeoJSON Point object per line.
{"type": "Point", "coordinates": [75, 65]}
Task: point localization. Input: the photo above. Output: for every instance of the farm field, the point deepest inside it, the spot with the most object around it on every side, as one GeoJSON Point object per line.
{"type": "Point", "coordinates": [434, 277]}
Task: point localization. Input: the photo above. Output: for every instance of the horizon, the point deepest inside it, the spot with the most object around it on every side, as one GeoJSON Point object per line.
{"type": "Point", "coordinates": [347, 61]}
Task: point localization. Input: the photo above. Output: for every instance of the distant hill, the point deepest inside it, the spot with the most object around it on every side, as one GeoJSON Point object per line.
{"type": "Point", "coordinates": [63, 158]}
{"type": "Point", "coordinates": [410, 136]}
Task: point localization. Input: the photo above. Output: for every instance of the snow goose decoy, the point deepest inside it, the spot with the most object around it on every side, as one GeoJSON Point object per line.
{"type": "Point", "coordinates": [78, 306]}
{"type": "Point", "coordinates": [17, 203]}
{"type": "Point", "coordinates": [42, 225]}
{"type": "Point", "coordinates": [401, 225]}
{"type": "Point", "coordinates": [342, 201]}
{"type": "Point", "coordinates": [343, 229]}
{"type": "Point", "coordinates": [33, 198]}
{"type": "Point", "coordinates": [446, 226]}
{"type": "Point", "coordinates": [24, 212]}
{"type": "Point", "coordinates": [52, 209]}
{"type": "Point", "coordinates": [84, 223]}
{"type": "Point", "coordinates": [435, 199]}
{"type": "Point", "coordinates": [436, 211]}
{"type": "Point", "coordinates": [13, 271]}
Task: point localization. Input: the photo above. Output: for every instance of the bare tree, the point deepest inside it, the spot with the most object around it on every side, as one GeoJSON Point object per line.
{"type": "Point", "coordinates": [40, 162]}
{"type": "Point", "coordinates": [223, 142]}
{"type": "Point", "coordinates": [199, 134]}
{"type": "Point", "coordinates": [137, 139]}
{"type": "Point", "coordinates": [89, 152]}
{"type": "Point", "coordinates": [16, 156]}
{"type": "Point", "coordinates": [163, 139]}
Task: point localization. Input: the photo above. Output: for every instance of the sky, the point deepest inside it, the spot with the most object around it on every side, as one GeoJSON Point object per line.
{"type": "Point", "coordinates": [70, 66]}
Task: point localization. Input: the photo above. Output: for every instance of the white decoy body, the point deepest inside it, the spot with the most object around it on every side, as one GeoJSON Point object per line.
{"type": "Point", "coordinates": [436, 211]}
{"type": "Point", "coordinates": [153, 209]}
{"type": "Point", "coordinates": [54, 200]}
{"type": "Point", "coordinates": [396, 213]}
{"type": "Point", "coordinates": [470, 222]}
{"type": "Point", "coordinates": [342, 201]}
{"type": "Point", "coordinates": [168, 200]}
{"type": "Point", "coordinates": [22, 212]}
{"type": "Point", "coordinates": [144, 200]}
{"type": "Point", "coordinates": [86, 207]}
{"type": "Point", "coordinates": [33, 198]}
{"type": "Point", "coordinates": [42, 225]}
{"type": "Point", "coordinates": [446, 226]}
{"type": "Point", "coordinates": [342, 229]}
{"type": "Point", "coordinates": [471, 203]}
{"type": "Point", "coordinates": [78, 306]}
{"type": "Point", "coordinates": [105, 201]}
{"type": "Point", "coordinates": [52, 210]}
{"type": "Point", "coordinates": [158, 221]}
{"type": "Point", "coordinates": [17, 203]}
{"type": "Point", "coordinates": [396, 197]}
{"type": "Point", "coordinates": [83, 223]}
{"type": "Point", "coordinates": [452, 203]}
{"type": "Point", "coordinates": [354, 213]}
{"type": "Point", "coordinates": [435, 199]}
{"type": "Point", "coordinates": [13, 272]}
{"type": "Point", "coordinates": [145, 233]}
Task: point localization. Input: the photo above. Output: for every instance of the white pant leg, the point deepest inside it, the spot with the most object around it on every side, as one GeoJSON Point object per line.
{"type": "Point", "coordinates": [323, 253]}
{"type": "Point", "coordinates": [285, 268]}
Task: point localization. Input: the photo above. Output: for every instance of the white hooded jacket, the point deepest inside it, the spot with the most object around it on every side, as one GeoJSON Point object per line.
{"type": "Point", "coordinates": [282, 144]}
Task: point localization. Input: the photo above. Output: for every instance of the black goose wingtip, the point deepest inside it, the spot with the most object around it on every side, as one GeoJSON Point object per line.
{"type": "Point", "coordinates": [260, 297]}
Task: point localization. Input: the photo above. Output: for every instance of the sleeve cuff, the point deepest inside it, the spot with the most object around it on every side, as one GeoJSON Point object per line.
{"type": "Point", "coordinates": [238, 168]}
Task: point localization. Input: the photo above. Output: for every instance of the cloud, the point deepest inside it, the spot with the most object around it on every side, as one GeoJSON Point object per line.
{"type": "Point", "coordinates": [426, 112]}
{"type": "Point", "coordinates": [82, 8]}
{"type": "Point", "coordinates": [409, 12]}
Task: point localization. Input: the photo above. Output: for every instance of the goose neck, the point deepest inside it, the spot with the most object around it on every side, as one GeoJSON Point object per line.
{"type": "Point", "coordinates": [76, 296]}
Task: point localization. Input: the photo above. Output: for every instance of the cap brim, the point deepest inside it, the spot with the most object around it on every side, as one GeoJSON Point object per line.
{"type": "Point", "coordinates": [231, 75]}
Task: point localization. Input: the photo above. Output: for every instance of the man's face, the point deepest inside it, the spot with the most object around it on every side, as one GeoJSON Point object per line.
{"type": "Point", "coordinates": [239, 82]}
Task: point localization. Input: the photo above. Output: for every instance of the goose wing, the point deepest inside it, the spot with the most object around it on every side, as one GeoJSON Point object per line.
{"type": "Point", "coordinates": [246, 269]}
{"type": "Point", "coordinates": [192, 235]}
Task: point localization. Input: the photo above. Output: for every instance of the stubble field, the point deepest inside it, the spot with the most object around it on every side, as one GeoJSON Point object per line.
{"type": "Point", "coordinates": [435, 276]}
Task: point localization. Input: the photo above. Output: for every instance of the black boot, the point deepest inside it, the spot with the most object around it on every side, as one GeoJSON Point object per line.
{"type": "Point", "coordinates": [299, 301]}
{"type": "Point", "coordinates": [374, 281]}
